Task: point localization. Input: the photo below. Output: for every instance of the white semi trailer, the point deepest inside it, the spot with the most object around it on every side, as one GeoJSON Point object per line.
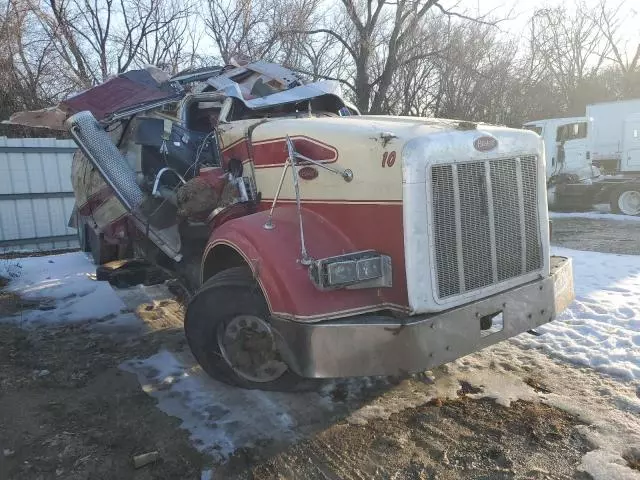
{"type": "Point", "coordinates": [611, 126]}
{"type": "Point", "coordinates": [609, 143]}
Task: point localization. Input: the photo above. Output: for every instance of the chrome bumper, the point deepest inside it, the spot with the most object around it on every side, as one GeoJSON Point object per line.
{"type": "Point", "coordinates": [378, 345]}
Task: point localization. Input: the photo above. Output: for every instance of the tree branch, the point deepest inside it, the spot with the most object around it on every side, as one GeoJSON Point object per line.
{"type": "Point", "coordinates": [328, 32]}
{"type": "Point", "coordinates": [324, 77]}
{"type": "Point", "coordinates": [479, 20]}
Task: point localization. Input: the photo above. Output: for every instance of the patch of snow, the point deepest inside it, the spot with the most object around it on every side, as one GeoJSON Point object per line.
{"type": "Point", "coordinates": [504, 388]}
{"type": "Point", "coordinates": [136, 295]}
{"type": "Point", "coordinates": [601, 329]}
{"type": "Point", "coordinates": [604, 465]}
{"type": "Point", "coordinates": [598, 215]}
{"type": "Point", "coordinates": [206, 475]}
{"type": "Point", "coordinates": [66, 279]}
{"type": "Point", "coordinates": [221, 418]}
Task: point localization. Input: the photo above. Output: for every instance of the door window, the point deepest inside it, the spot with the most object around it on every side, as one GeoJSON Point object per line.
{"type": "Point", "coordinates": [571, 131]}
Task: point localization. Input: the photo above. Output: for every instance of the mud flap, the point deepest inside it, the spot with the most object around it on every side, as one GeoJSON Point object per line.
{"type": "Point", "coordinates": [97, 146]}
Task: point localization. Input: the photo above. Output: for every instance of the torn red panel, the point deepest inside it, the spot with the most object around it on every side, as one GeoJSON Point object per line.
{"type": "Point", "coordinates": [113, 95]}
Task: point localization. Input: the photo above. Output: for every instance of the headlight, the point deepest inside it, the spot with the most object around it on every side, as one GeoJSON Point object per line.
{"type": "Point", "coordinates": [368, 269]}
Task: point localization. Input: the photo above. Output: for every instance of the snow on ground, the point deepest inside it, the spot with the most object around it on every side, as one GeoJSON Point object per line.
{"type": "Point", "coordinates": [601, 329]}
{"type": "Point", "coordinates": [223, 419]}
{"type": "Point", "coordinates": [68, 283]}
{"type": "Point", "coordinates": [596, 215]}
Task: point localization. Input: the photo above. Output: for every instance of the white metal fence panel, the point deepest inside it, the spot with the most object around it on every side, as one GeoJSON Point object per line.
{"type": "Point", "coordinates": [36, 196]}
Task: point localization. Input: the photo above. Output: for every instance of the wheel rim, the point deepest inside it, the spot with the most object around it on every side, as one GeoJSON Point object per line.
{"type": "Point", "coordinates": [629, 202]}
{"type": "Point", "coordinates": [248, 345]}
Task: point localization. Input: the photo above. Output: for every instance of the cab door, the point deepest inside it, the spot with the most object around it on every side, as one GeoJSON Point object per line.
{"type": "Point", "coordinates": [193, 137]}
{"type": "Point", "coordinates": [183, 149]}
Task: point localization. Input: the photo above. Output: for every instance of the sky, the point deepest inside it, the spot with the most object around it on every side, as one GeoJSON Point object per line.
{"type": "Point", "coordinates": [520, 12]}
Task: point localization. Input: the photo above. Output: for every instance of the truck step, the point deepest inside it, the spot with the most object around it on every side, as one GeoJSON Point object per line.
{"type": "Point", "coordinates": [131, 272]}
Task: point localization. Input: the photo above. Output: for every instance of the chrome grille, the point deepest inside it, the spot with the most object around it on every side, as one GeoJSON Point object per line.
{"type": "Point", "coordinates": [444, 229]}
{"type": "Point", "coordinates": [485, 223]}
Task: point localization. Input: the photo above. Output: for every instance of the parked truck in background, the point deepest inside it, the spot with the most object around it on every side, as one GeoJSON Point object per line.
{"type": "Point", "coordinates": [565, 150]}
{"type": "Point", "coordinates": [608, 146]}
{"type": "Point", "coordinates": [317, 242]}
{"type": "Point", "coordinates": [554, 132]}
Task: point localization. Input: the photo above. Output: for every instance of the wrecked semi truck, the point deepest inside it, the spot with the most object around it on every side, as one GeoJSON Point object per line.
{"type": "Point", "coordinates": [317, 242]}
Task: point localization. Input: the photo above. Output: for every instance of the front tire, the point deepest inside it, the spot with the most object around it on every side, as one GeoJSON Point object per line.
{"type": "Point", "coordinates": [626, 200]}
{"type": "Point", "coordinates": [228, 330]}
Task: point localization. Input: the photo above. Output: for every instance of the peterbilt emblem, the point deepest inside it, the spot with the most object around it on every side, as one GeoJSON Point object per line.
{"type": "Point", "coordinates": [308, 173]}
{"type": "Point", "coordinates": [484, 144]}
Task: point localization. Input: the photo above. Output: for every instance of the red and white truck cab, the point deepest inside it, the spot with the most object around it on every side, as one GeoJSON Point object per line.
{"type": "Point", "coordinates": [434, 244]}
{"type": "Point", "coordinates": [327, 243]}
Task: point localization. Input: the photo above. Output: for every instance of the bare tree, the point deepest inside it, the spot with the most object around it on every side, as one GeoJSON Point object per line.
{"type": "Point", "coordinates": [29, 71]}
{"type": "Point", "coordinates": [624, 55]}
{"type": "Point", "coordinates": [240, 27]}
{"type": "Point", "coordinates": [320, 57]}
{"type": "Point", "coordinates": [376, 36]}
{"type": "Point", "coordinates": [414, 89]}
{"type": "Point", "coordinates": [570, 45]}
{"type": "Point", "coordinates": [99, 38]}
{"type": "Point", "coordinates": [475, 75]}
{"type": "Point", "coordinates": [253, 28]}
{"type": "Point", "coordinates": [173, 41]}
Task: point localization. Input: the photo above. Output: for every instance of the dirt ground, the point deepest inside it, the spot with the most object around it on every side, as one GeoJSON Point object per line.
{"type": "Point", "coordinates": [463, 438]}
{"type": "Point", "coordinates": [67, 411]}
{"type": "Point", "coordinates": [607, 236]}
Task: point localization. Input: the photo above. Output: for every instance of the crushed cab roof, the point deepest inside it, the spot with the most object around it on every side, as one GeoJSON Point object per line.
{"type": "Point", "coordinates": [257, 84]}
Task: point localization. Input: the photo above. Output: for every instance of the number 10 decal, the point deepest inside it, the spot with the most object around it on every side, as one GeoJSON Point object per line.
{"type": "Point", "coordinates": [388, 159]}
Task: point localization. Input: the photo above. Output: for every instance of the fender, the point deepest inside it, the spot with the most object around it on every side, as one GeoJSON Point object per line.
{"type": "Point", "coordinates": [274, 258]}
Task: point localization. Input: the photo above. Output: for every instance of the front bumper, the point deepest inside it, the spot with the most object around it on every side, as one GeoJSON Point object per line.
{"type": "Point", "coordinates": [379, 345]}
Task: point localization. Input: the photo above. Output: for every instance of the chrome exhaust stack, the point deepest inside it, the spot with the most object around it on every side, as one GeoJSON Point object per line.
{"type": "Point", "coordinates": [97, 146]}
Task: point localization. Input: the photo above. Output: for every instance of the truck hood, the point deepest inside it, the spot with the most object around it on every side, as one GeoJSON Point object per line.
{"type": "Point", "coordinates": [452, 135]}
{"type": "Point", "coordinates": [409, 127]}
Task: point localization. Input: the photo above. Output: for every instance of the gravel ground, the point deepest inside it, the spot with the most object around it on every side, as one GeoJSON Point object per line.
{"type": "Point", "coordinates": [606, 236]}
